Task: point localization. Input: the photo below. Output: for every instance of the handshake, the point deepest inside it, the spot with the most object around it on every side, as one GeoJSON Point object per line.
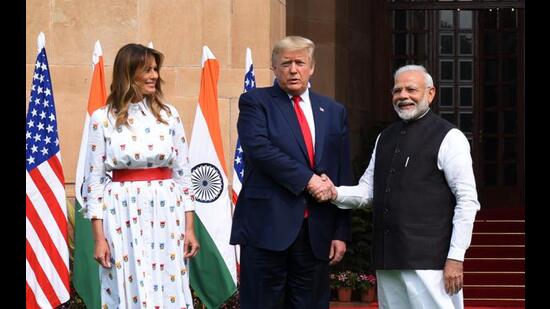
{"type": "Point", "coordinates": [322, 188]}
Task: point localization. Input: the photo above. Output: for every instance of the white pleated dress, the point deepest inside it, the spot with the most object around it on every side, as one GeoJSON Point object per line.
{"type": "Point", "coordinates": [143, 221]}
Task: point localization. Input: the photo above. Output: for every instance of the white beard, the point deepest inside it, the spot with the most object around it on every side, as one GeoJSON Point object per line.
{"type": "Point", "coordinates": [419, 109]}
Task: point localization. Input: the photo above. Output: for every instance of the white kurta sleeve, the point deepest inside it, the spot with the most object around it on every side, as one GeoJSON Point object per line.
{"type": "Point", "coordinates": [455, 161]}
{"type": "Point", "coordinates": [181, 169]}
{"type": "Point", "coordinates": [361, 195]}
{"type": "Point", "coordinates": [94, 185]}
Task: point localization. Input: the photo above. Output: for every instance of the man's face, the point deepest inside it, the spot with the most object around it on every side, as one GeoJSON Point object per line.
{"type": "Point", "coordinates": [293, 70]}
{"type": "Point", "coordinates": [411, 97]}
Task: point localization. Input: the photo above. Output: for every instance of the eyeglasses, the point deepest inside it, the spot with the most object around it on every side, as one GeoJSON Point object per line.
{"type": "Point", "coordinates": [409, 90]}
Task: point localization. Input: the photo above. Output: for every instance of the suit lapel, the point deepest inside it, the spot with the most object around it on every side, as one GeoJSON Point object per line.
{"type": "Point", "coordinates": [285, 106]}
{"type": "Point", "coordinates": [320, 114]}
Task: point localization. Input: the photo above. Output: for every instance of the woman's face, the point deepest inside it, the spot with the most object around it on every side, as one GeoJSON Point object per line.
{"type": "Point", "coordinates": [146, 77]}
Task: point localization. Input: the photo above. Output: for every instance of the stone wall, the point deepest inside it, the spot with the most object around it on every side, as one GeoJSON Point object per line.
{"type": "Point", "coordinates": [178, 28]}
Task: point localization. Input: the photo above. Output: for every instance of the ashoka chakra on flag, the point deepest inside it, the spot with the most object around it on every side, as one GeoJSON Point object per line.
{"type": "Point", "coordinates": [207, 182]}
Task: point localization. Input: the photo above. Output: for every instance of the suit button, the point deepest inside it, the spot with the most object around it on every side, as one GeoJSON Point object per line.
{"type": "Point", "coordinates": [386, 231]}
{"type": "Point", "coordinates": [397, 150]}
{"type": "Point", "coordinates": [386, 211]}
{"type": "Point", "coordinates": [387, 190]}
{"type": "Point", "coordinates": [403, 132]}
{"type": "Point", "coordinates": [392, 170]}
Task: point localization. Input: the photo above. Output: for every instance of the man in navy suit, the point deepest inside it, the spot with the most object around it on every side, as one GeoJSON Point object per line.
{"type": "Point", "coordinates": [290, 136]}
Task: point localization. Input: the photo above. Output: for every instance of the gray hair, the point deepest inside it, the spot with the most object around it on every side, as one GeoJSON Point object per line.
{"type": "Point", "coordinates": [413, 67]}
{"type": "Point", "coordinates": [293, 43]}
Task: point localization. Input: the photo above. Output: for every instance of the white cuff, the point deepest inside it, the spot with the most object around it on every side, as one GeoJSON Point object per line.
{"type": "Point", "coordinates": [188, 204]}
{"type": "Point", "coordinates": [93, 211]}
{"type": "Point", "coordinates": [456, 254]}
{"type": "Point", "coordinates": [339, 200]}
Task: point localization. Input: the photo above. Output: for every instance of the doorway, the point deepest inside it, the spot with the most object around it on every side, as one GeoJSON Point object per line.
{"type": "Point", "coordinates": [475, 57]}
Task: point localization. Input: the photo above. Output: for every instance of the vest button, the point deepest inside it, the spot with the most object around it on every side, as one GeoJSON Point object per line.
{"type": "Point", "coordinates": [403, 132]}
{"type": "Point", "coordinates": [392, 170]}
{"type": "Point", "coordinates": [387, 190]}
{"type": "Point", "coordinates": [386, 231]}
{"type": "Point", "coordinates": [386, 211]}
{"type": "Point", "coordinates": [397, 150]}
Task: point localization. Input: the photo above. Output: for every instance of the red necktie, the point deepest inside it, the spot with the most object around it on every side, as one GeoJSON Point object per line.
{"type": "Point", "coordinates": [307, 136]}
{"type": "Point", "coordinates": [305, 129]}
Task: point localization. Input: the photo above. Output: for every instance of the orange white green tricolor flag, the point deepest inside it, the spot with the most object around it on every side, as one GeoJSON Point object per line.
{"type": "Point", "coordinates": [85, 268]}
{"type": "Point", "coordinates": [213, 271]}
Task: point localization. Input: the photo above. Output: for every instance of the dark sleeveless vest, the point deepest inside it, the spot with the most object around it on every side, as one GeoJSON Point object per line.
{"type": "Point", "coordinates": [413, 205]}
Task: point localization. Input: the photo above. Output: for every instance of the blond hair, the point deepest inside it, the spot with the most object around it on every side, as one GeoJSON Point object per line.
{"type": "Point", "coordinates": [293, 43]}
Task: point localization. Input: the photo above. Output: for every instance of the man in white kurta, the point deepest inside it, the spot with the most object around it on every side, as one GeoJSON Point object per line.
{"type": "Point", "coordinates": [420, 288]}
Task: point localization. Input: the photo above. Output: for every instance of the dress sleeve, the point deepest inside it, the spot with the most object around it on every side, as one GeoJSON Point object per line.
{"type": "Point", "coordinates": [94, 184]}
{"type": "Point", "coordinates": [181, 169]}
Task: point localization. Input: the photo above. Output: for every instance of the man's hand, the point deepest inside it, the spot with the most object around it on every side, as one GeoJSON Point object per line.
{"type": "Point", "coordinates": [322, 188]}
{"type": "Point", "coordinates": [337, 251]}
{"type": "Point", "coordinates": [453, 276]}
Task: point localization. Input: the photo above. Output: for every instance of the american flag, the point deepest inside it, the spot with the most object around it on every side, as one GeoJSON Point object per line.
{"type": "Point", "coordinates": [238, 171]}
{"type": "Point", "coordinates": [238, 163]}
{"type": "Point", "coordinates": [47, 254]}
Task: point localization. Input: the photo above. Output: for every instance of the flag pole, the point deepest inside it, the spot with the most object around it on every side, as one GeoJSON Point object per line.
{"type": "Point", "coordinates": [46, 228]}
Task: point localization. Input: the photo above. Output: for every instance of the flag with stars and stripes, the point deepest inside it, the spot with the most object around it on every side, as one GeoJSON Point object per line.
{"type": "Point", "coordinates": [47, 252]}
{"type": "Point", "coordinates": [238, 163]}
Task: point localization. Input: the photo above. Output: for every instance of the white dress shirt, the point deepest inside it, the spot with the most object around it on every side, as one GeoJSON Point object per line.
{"type": "Point", "coordinates": [305, 104]}
{"type": "Point", "coordinates": [455, 161]}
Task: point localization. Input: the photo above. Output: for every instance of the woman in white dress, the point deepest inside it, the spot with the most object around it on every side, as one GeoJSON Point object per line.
{"type": "Point", "coordinates": [142, 215]}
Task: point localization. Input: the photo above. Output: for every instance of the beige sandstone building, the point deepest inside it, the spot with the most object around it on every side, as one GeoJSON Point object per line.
{"type": "Point", "coordinates": [474, 49]}
{"type": "Point", "coordinates": [179, 29]}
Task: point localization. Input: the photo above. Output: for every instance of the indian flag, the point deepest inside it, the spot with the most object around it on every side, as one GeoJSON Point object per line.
{"type": "Point", "coordinates": [213, 271]}
{"type": "Point", "coordinates": [85, 268]}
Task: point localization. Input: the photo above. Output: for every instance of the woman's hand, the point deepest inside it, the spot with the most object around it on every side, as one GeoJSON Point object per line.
{"type": "Point", "coordinates": [102, 254]}
{"type": "Point", "coordinates": [190, 244]}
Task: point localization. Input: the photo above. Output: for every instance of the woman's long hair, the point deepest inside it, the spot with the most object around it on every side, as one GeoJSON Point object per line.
{"type": "Point", "coordinates": [124, 89]}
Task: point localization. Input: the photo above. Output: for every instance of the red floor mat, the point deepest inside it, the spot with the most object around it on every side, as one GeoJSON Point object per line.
{"type": "Point", "coordinates": [356, 305]}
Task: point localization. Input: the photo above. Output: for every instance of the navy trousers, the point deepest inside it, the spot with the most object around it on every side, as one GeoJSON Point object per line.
{"type": "Point", "coordinates": [292, 278]}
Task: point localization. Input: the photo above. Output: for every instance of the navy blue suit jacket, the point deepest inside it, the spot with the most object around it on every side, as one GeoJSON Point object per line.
{"type": "Point", "coordinates": [271, 204]}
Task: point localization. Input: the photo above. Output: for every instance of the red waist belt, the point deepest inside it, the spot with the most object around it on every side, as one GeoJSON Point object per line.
{"type": "Point", "coordinates": [142, 174]}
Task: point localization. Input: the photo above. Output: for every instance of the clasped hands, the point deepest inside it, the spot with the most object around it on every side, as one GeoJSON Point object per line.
{"type": "Point", "coordinates": [321, 188]}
